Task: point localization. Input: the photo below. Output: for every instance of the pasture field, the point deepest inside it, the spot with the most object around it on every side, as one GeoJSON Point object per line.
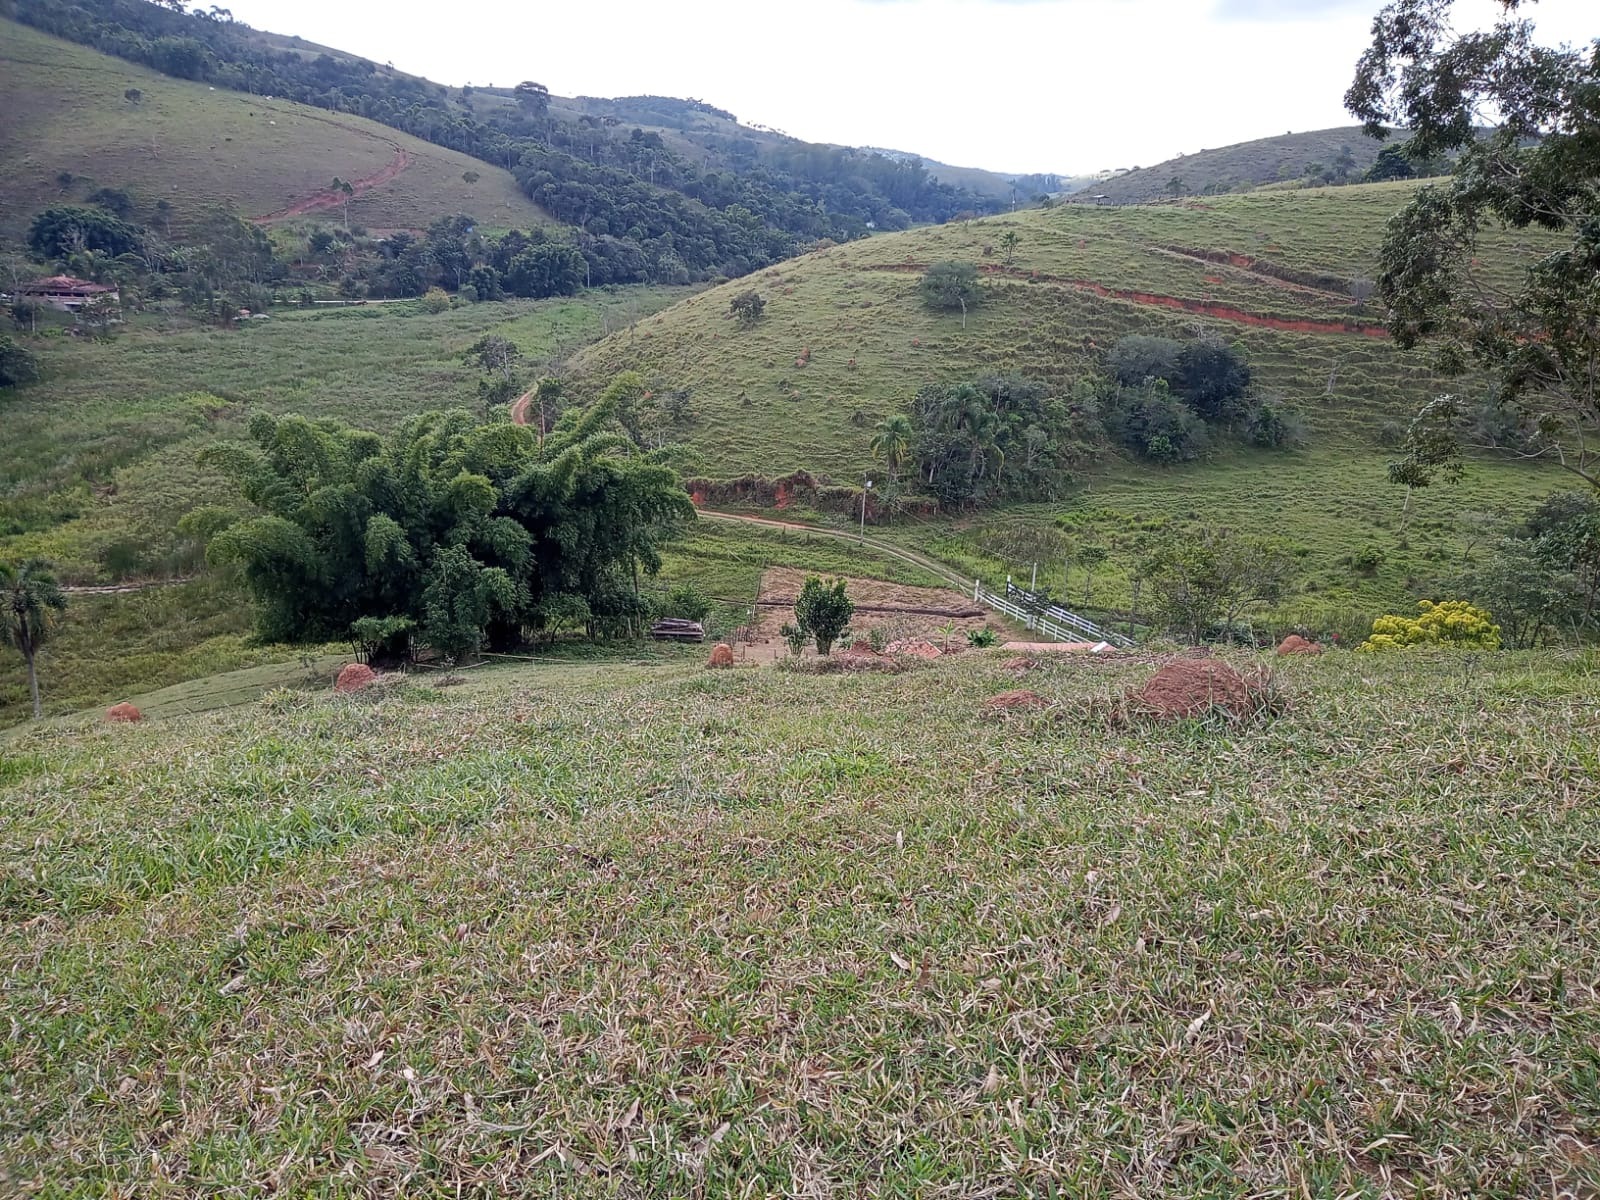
{"type": "Point", "coordinates": [632, 928]}
{"type": "Point", "coordinates": [195, 147]}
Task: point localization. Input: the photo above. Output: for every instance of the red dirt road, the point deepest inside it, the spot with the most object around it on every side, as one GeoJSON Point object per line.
{"type": "Point", "coordinates": [328, 198]}
{"type": "Point", "coordinates": [520, 406]}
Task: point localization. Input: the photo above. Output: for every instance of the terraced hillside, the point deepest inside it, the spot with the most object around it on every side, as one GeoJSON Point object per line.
{"type": "Point", "coordinates": [67, 110]}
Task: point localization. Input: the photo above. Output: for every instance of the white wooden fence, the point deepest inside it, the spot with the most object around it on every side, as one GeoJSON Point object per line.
{"type": "Point", "coordinates": [1051, 620]}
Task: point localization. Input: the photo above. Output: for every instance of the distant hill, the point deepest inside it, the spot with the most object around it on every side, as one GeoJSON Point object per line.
{"type": "Point", "coordinates": [71, 111]}
{"type": "Point", "coordinates": [1242, 167]}
{"type": "Point", "coordinates": [998, 185]}
{"type": "Point", "coordinates": [657, 189]}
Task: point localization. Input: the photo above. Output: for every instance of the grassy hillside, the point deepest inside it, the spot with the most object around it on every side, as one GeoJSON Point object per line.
{"type": "Point", "coordinates": [1277, 272]}
{"type": "Point", "coordinates": [1082, 277]}
{"type": "Point", "coordinates": [1240, 167]}
{"type": "Point", "coordinates": [193, 146]}
{"type": "Point", "coordinates": [636, 929]}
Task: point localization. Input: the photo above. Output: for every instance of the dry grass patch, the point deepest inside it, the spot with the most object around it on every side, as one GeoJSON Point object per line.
{"type": "Point", "coordinates": [631, 930]}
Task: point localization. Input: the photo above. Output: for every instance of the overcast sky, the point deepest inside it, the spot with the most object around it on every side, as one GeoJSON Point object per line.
{"type": "Point", "coordinates": [1011, 85]}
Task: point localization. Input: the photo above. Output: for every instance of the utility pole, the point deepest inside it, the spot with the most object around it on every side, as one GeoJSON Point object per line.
{"type": "Point", "coordinates": [864, 492]}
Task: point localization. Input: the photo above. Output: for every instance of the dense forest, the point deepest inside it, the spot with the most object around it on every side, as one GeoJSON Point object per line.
{"type": "Point", "coordinates": [642, 210]}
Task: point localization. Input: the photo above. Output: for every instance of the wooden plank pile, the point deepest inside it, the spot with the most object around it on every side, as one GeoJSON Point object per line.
{"type": "Point", "coordinates": [675, 629]}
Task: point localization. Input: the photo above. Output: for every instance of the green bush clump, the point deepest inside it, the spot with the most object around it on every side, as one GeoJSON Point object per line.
{"type": "Point", "coordinates": [1448, 623]}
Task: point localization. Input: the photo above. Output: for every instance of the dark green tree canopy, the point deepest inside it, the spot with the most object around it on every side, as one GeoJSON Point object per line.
{"type": "Point", "coordinates": [66, 228]}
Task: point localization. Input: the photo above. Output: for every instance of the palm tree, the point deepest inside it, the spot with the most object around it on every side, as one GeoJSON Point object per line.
{"type": "Point", "coordinates": [891, 442]}
{"type": "Point", "coordinates": [30, 600]}
{"type": "Point", "coordinates": [344, 189]}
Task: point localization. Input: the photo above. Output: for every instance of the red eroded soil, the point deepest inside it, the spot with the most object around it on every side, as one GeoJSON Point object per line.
{"type": "Point", "coordinates": [1194, 687]}
{"type": "Point", "coordinates": [328, 198]}
{"type": "Point", "coordinates": [1204, 308]}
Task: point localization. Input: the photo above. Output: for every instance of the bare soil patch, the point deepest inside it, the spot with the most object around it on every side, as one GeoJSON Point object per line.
{"type": "Point", "coordinates": [904, 613]}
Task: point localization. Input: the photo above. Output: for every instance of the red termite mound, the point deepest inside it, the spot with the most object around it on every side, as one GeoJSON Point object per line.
{"type": "Point", "coordinates": [354, 678]}
{"type": "Point", "coordinates": [1197, 686]}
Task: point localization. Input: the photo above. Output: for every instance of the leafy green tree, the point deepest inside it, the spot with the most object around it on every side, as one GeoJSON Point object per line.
{"type": "Point", "coordinates": [494, 354]}
{"type": "Point", "coordinates": [1009, 241]}
{"type": "Point", "coordinates": [1538, 166]}
{"type": "Point", "coordinates": [551, 269]}
{"type": "Point", "coordinates": [1204, 579]}
{"type": "Point", "coordinates": [475, 532]}
{"type": "Point", "coordinates": [1213, 378]}
{"type": "Point", "coordinates": [747, 307]}
{"type": "Point", "coordinates": [687, 602]}
{"type": "Point", "coordinates": [1153, 423]}
{"type": "Point", "coordinates": [31, 603]}
{"type": "Point", "coordinates": [67, 228]}
{"type": "Point", "coordinates": [18, 366]}
{"type": "Point", "coordinates": [532, 98]}
{"type": "Point", "coordinates": [952, 286]}
{"type": "Point", "coordinates": [823, 611]}
{"type": "Point", "coordinates": [1139, 358]}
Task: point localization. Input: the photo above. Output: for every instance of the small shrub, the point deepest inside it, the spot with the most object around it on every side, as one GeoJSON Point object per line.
{"type": "Point", "coordinates": [687, 602]}
{"type": "Point", "coordinates": [823, 611]}
{"type": "Point", "coordinates": [878, 639]}
{"type": "Point", "coordinates": [1448, 623]}
{"type": "Point", "coordinates": [436, 300]}
{"type": "Point", "coordinates": [795, 637]}
{"type": "Point", "coordinates": [1367, 560]}
{"type": "Point", "coordinates": [981, 639]}
{"type": "Point", "coordinates": [747, 307]}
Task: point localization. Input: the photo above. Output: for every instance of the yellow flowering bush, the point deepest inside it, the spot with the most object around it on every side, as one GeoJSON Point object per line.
{"type": "Point", "coordinates": [1448, 623]}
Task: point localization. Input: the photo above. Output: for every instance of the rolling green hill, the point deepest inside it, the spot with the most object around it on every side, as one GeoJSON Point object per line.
{"type": "Point", "coordinates": [194, 146]}
{"type": "Point", "coordinates": [1240, 167]}
{"type": "Point", "coordinates": [1275, 271]}
{"type": "Point", "coordinates": [1279, 273]}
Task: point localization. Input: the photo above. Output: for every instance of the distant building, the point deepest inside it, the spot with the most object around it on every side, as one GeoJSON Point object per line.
{"type": "Point", "coordinates": [67, 294]}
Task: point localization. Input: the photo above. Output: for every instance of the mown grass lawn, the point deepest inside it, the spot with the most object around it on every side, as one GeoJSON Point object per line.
{"type": "Point", "coordinates": [638, 929]}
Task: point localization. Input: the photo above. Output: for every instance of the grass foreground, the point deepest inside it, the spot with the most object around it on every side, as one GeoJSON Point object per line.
{"type": "Point", "coordinates": [632, 928]}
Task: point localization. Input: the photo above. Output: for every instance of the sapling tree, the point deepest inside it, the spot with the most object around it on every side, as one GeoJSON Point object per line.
{"type": "Point", "coordinates": [823, 611]}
